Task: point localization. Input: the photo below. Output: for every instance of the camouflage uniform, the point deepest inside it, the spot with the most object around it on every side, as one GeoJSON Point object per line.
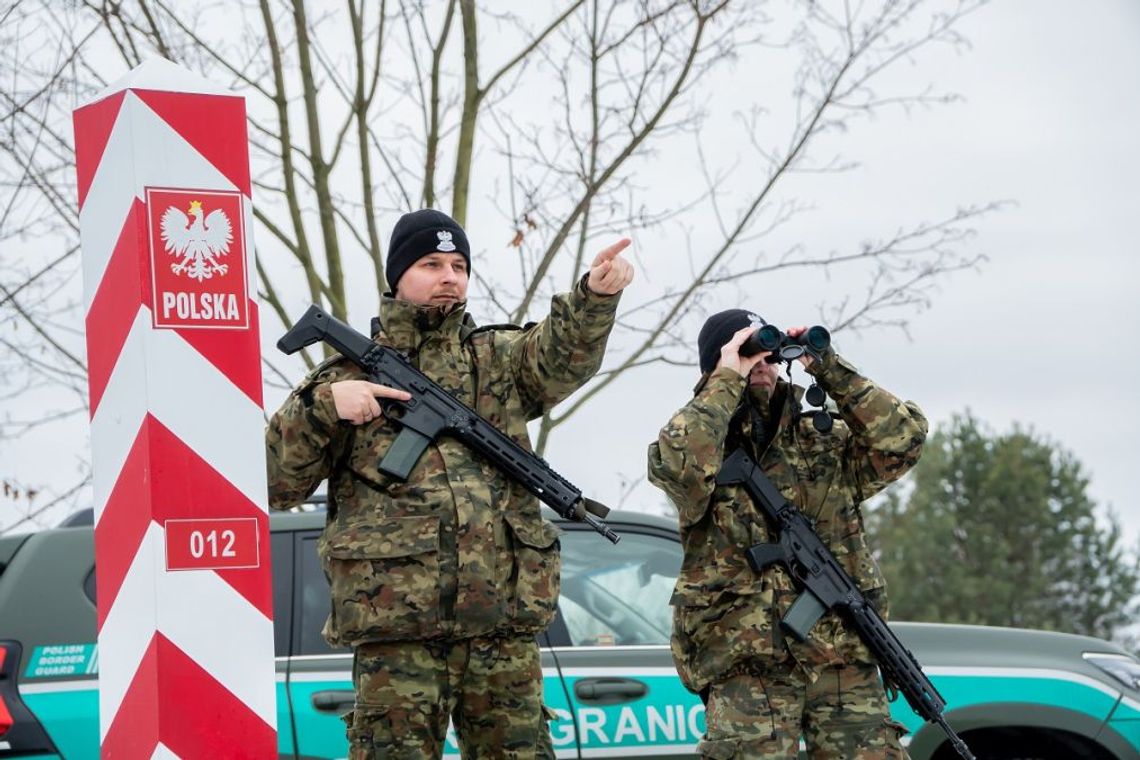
{"type": "Point", "coordinates": [763, 690]}
{"type": "Point", "coordinates": [440, 583]}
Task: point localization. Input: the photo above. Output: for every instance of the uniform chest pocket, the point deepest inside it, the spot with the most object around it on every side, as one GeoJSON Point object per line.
{"type": "Point", "coordinates": [724, 633]}
{"type": "Point", "coordinates": [535, 578]}
{"type": "Point", "coordinates": [384, 578]}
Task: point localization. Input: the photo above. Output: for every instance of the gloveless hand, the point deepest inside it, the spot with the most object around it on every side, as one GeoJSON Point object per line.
{"type": "Point", "coordinates": [730, 354]}
{"type": "Point", "coordinates": [355, 400]}
{"type": "Point", "coordinates": [795, 332]}
{"type": "Point", "coordinates": [610, 272]}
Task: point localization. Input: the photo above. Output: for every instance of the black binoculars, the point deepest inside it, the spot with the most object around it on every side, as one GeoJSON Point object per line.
{"type": "Point", "coordinates": [785, 348]}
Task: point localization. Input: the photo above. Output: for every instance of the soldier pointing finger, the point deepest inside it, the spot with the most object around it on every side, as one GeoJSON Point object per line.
{"type": "Point", "coordinates": [440, 583]}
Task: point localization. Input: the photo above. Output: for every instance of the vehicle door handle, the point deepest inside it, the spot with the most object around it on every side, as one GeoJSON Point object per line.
{"type": "Point", "coordinates": [334, 700]}
{"type": "Point", "coordinates": [609, 690]}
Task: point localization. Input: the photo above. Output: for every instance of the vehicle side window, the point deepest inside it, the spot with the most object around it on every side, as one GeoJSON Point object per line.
{"type": "Point", "coordinates": [313, 599]}
{"type": "Point", "coordinates": [89, 585]}
{"type": "Point", "coordinates": [281, 548]}
{"type": "Point", "coordinates": [618, 596]}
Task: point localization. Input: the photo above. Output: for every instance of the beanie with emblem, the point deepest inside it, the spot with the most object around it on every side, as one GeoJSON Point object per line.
{"type": "Point", "coordinates": [718, 330]}
{"type": "Point", "coordinates": [419, 233]}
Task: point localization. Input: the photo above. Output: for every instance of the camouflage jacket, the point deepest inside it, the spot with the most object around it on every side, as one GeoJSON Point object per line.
{"type": "Point", "coordinates": [458, 550]}
{"type": "Point", "coordinates": [726, 616]}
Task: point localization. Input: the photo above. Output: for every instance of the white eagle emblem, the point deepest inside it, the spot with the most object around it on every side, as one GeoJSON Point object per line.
{"type": "Point", "coordinates": [197, 243]}
{"type": "Point", "coordinates": [445, 243]}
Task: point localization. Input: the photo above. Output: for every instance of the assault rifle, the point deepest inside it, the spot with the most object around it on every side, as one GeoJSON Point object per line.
{"type": "Point", "coordinates": [825, 585]}
{"type": "Point", "coordinates": [432, 412]}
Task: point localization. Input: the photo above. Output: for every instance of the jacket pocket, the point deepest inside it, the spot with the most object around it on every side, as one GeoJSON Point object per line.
{"type": "Point", "coordinates": [535, 579]}
{"type": "Point", "coordinates": [725, 633]}
{"type": "Point", "coordinates": [384, 579]}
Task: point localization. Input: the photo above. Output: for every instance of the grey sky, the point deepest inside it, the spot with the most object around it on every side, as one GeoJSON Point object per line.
{"type": "Point", "coordinates": [1041, 334]}
{"type": "Point", "coordinates": [1048, 120]}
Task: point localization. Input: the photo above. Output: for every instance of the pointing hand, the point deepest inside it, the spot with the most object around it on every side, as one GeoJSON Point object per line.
{"type": "Point", "coordinates": [610, 273]}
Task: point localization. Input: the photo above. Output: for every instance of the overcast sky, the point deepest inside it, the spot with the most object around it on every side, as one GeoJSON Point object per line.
{"type": "Point", "coordinates": [1042, 334]}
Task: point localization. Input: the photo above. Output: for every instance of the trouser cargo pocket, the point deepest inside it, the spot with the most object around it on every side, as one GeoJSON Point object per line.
{"type": "Point", "coordinates": [393, 733]}
{"type": "Point", "coordinates": [719, 749]}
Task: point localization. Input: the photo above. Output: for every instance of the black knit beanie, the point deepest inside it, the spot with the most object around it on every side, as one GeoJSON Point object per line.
{"type": "Point", "coordinates": [419, 233]}
{"type": "Point", "coordinates": [718, 330]}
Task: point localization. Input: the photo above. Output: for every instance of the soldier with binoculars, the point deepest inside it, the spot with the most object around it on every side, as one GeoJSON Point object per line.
{"type": "Point", "coordinates": [763, 689]}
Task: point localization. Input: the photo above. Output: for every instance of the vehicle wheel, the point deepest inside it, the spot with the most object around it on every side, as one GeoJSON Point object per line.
{"type": "Point", "coordinates": [1006, 744]}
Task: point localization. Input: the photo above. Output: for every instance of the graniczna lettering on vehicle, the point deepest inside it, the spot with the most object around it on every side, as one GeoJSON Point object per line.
{"type": "Point", "coordinates": [726, 617]}
{"type": "Point", "coordinates": [457, 550]}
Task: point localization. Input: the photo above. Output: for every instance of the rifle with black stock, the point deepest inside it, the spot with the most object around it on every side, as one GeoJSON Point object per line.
{"type": "Point", "coordinates": [825, 585]}
{"type": "Point", "coordinates": [432, 412]}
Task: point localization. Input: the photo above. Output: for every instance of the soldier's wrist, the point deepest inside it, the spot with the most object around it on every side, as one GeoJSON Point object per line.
{"type": "Point", "coordinates": [724, 387]}
{"type": "Point", "coordinates": [727, 376]}
{"type": "Point", "coordinates": [594, 304]}
{"type": "Point", "coordinates": [831, 370]}
{"type": "Point", "coordinates": [591, 294]}
{"type": "Point", "coordinates": [319, 402]}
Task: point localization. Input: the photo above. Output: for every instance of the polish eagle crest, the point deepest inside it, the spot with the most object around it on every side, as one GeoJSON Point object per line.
{"type": "Point", "coordinates": [445, 243]}
{"type": "Point", "coordinates": [197, 243]}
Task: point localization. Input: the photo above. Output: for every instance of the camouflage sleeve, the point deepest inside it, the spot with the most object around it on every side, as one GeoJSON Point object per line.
{"type": "Point", "coordinates": [684, 459]}
{"type": "Point", "coordinates": [558, 355]}
{"type": "Point", "coordinates": [887, 434]}
{"type": "Point", "coordinates": [302, 436]}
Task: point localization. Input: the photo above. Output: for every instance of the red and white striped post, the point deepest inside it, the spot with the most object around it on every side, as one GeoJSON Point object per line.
{"type": "Point", "coordinates": [186, 665]}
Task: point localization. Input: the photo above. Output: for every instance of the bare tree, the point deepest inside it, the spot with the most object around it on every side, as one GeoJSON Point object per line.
{"type": "Point", "coordinates": [546, 119]}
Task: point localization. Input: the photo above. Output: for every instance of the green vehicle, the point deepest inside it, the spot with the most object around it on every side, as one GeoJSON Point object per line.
{"type": "Point", "coordinates": [1028, 695]}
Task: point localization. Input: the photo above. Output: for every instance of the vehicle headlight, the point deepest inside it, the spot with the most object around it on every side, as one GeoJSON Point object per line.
{"type": "Point", "coordinates": [1120, 666]}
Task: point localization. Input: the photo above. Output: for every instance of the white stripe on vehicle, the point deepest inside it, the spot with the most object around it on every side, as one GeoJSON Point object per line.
{"type": "Point", "coordinates": [52, 687]}
{"type": "Point", "coordinates": [624, 648]}
{"type": "Point", "coordinates": [617, 672]}
{"type": "Point", "coordinates": [346, 675]}
{"type": "Point", "coordinates": [678, 749]}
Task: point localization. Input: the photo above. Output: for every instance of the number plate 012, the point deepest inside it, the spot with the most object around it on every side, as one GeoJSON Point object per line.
{"type": "Point", "coordinates": [212, 544]}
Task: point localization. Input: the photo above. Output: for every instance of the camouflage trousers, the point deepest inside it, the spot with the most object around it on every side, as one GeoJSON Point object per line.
{"type": "Point", "coordinates": [490, 689]}
{"type": "Point", "coordinates": [842, 716]}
